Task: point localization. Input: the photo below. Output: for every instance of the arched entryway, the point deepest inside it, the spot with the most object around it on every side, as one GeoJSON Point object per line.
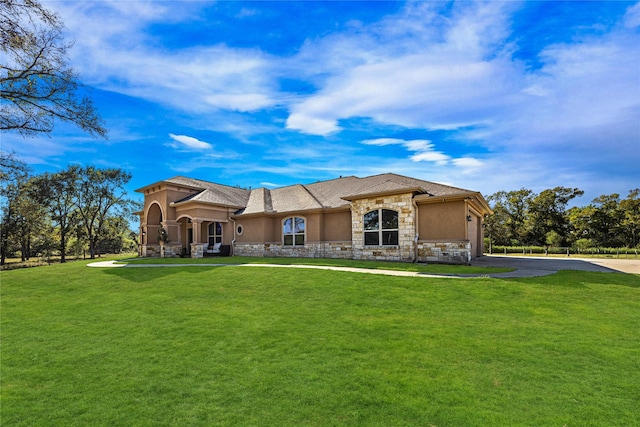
{"type": "Point", "coordinates": [154, 222]}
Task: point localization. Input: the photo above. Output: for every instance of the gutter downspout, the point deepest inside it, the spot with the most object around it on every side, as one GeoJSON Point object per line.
{"type": "Point", "coordinates": [415, 239]}
{"type": "Point", "coordinates": [233, 242]}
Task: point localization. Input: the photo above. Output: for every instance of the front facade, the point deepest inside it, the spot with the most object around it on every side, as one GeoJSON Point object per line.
{"type": "Point", "coordinates": [382, 217]}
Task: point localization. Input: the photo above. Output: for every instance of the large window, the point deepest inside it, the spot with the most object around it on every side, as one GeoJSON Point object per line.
{"type": "Point", "coordinates": [293, 231]}
{"type": "Point", "coordinates": [215, 233]}
{"type": "Point", "coordinates": [381, 228]}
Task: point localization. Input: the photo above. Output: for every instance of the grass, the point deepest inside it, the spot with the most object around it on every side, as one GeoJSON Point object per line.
{"type": "Point", "coordinates": [381, 265]}
{"type": "Point", "coordinates": [231, 346]}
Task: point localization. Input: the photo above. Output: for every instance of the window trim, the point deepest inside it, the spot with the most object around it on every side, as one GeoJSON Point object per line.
{"type": "Point", "coordinates": [293, 233]}
{"type": "Point", "coordinates": [379, 230]}
{"type": "Point", "coordinates": [214, 236]}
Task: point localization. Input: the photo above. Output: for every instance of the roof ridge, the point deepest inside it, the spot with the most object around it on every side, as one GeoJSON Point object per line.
{"type": "Point", "coordinates": [313, 196]}
{"type": "Point", "coordinates": [268, 201]}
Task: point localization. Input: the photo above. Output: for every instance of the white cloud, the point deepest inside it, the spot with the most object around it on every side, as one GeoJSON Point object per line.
{"type": "Point", "coordinates": [632, 17]}
{"type": "Point", "coordinates": [424, 151]}
{"type": "Point", "coordinates": [200, 79]}
{"type": "Point", "coordinates": [439, 82]}
{"type": "Point", "coordinates": [576, 110]}
{"type": "Point", "coordinates": [189, 142]}
{"type": "Point", "coordinates": [269, 184]}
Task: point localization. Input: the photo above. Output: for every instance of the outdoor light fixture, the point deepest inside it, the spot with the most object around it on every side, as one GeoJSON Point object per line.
{"type": "Point", "coordinates": [469, 218]}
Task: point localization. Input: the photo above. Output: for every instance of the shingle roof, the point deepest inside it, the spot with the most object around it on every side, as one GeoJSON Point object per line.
{"type": "Point", "coordinates": [329, 194]}
{"type": "Point", "coordinates": [211, 192]}
{"type": "Point", "coordinates": [337, 192]}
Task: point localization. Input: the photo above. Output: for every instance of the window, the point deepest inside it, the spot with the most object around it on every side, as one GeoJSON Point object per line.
{"type": "Point", "coordinates": [239, 230]}
{"type": "Point", "coordinates": [215, 233]}
{"type": "Point", "coordinates": [381, 228]}
{"type": "Point", "coordinates": [293, 231]}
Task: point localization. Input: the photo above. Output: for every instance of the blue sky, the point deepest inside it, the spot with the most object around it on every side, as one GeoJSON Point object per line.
{"type": "Point", "coordinates": [486, 96]}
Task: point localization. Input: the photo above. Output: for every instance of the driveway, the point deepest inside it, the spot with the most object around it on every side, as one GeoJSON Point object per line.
{"type": "Point", "coordinates": [542, 266]}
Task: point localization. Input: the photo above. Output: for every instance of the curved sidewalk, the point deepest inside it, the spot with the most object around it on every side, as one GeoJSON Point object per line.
{"type": "Point", "coordinates": [523, 267]}
{"type": "Point", "coordinates": [118, 264]}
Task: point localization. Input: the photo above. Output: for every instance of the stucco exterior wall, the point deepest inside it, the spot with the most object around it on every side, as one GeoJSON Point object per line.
{"type": "Point", "coordinates": [254, 229]}
{"type": "Point", "coordinates": [446, 220]}
{"type": "Point", "coordinates": [337, 226]}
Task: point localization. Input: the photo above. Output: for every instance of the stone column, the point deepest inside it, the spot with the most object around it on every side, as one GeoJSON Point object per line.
{"type": "Point", "coordinates": [196, 225]}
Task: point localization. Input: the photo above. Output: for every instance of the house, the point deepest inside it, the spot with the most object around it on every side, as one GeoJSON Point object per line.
{"type": "Point", "coordinates": [380, 217]}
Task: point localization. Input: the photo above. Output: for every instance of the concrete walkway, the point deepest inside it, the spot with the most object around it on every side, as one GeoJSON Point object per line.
{"type": "Point", "coordinates": [524, 266]}
{"type": "Point", "coordinates": [119, 264]}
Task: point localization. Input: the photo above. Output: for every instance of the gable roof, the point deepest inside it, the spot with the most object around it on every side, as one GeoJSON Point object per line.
{"type": "Point", "coordinates": [337, 193]}
{"type": "Point", "coordinates": [330, 194]}
{"type": "Point", "coordinates": [206, 192]}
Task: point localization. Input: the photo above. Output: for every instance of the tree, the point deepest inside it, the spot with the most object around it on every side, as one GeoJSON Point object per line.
{"type": "Point", "coordinates": [37, 85]}
{"type": "Point", "coordinates": [606, 219]}
{"type": "Point", "coordinates": [56, 193]}
{"type": "Point", "coordinates": [630, 224]}
{"type": "Point", "coordinates": [30, 219]}
{"type": "Point", "coordinates": [100, 193]}
{"type": "Point", "coordinates": [547, 212]}
{"type": "Point", "coordinates": [14, 175]}
{"type": "Point", "coordinates": [510, 211]}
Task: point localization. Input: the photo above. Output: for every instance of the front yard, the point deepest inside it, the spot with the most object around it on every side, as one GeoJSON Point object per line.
{"type": "Point", "coordinates": [263, 346]}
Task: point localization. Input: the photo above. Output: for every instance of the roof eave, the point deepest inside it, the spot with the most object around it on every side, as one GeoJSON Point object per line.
{"type": "Point", "coordinates": [384, 193]}
{"type": "Point", "coordinates": [166, 184]}
{"type": "Point", "coordinates": [472, 196]}
{"type": "Point", "coordinates": [200, 202]}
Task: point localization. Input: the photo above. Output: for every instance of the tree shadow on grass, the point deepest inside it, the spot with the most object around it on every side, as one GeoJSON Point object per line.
{"type": "Point", "coordinates": [584, 279]}
{"type": "Point", "coordinates": [142, 275]}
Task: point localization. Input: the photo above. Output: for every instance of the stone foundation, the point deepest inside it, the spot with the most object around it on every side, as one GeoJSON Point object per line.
{"type": "Point", "coordinates": [309, 250]}
{"type": "Point", "coordinates": [154, 251]}
{"type": "Point", "coordinates": [444, 252]}
{"type": "Point", "coordinates": [458, 252]}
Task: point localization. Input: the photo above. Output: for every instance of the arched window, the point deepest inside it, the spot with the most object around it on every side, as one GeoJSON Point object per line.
{"type": "Point", "coordinates": [215, 233]}
{"type": "Point", "coordinates": [381, 228]}
{"type": "Point", "coordinates": [293, 231]}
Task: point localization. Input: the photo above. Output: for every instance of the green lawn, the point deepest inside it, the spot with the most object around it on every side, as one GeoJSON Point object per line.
{"type": "Point", "coordinates": [381, 265]}
{"type": "Point", "coordinates": [263, 346]}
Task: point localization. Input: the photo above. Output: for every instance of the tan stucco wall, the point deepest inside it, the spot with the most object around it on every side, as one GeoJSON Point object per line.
{"type": "Point", "coordinates": [337, 227]}
{"type": "Point", "coordinates": [208, 213]}
{"type": "Point", "coordinates": [446, 220]}
{"type": "Point", "coordinates": [253, 229]}
{"type": "Point", "coordinates": [319, 227]}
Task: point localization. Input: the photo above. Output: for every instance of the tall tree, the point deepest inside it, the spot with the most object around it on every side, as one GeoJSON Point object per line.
{"type": "Point", "coordinates": [547, 213]}
{"type": "Point", "coordinates": [37, 84]}
{"type": "Point", "coordinates": [56, 193]}
{"type": "Point", "coordinates": [14, 175]}
{"type": "Point", "coordinates": [100, 193]}
{"type": "Point", "coordinates": [606, 220]}
{"type": "Point", "coordinates": [630, 224]}
{"type": "Point", "coordinates": [31, 218]}
{"type": "Point", "coordinates": [512, 208]}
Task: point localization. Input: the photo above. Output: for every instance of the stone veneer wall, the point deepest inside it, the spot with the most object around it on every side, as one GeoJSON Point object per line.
{"type": "Point", "coordinates": [444, 252]}
{"type": "Point", "coordinates": [153, 251]}
{"type": "Point", "coordinates": [309, 250]}
{"type": "Point", "coordinates": [405, 250]}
